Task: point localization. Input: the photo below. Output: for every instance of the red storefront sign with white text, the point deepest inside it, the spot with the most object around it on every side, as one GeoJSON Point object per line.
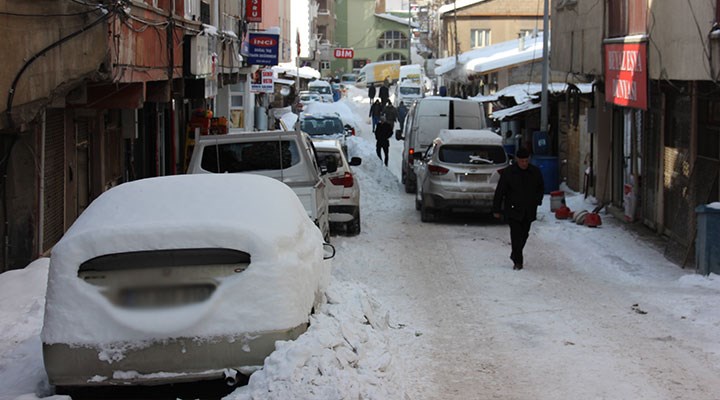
{"type": "Point", "coordinates": [253, 10]}
{"type": "Point", "coordinates": [626, 77]}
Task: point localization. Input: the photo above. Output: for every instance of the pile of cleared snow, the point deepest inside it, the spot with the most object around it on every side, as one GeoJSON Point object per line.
{"type": "Point", "coordinates": [346, 353]}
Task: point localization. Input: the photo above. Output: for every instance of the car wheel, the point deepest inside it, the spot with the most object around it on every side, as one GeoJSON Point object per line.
{"type": "Point", "coordinates": [353, 227]}
{"type": "Point", "coordinates": [409, 185]}
{"type": "Point", "coordinates": [426, 213]}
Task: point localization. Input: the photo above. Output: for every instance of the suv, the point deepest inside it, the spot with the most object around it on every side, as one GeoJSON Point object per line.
{"type": "Point", "coordinates": [343, 187]}
{"type": "Point", "coordinates": [325, 125]}
{"type": "Point", "coordinates": [424, 122]}
{"type": "Point", "coordinates": [460, 170]}
{"type": "Point", "coordinates": [288, 156]}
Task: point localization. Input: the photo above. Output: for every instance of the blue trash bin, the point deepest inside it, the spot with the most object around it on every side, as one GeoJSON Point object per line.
{"type": "Point", "coordinates": [549, 168]}
{"type": "Point", "coordinates": [707, 240]}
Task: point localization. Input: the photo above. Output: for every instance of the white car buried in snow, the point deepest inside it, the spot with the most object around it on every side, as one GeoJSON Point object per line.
{"type": "Point", "coordinates": [180, 278]}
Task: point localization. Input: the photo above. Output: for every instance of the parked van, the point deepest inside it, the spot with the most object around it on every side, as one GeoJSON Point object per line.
{"type": "Point", "coordinates": [426, 118]}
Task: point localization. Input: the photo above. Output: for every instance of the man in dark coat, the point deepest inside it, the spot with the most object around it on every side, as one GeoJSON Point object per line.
{"type": "Point", "coordinates": [518, 194]}
{"type": "Point", "coordinates": [371, 93]}
{"type": "Point", "coordinates": [376, 110]}
{"type": "Point", "coordinates": [402, 111]}
{"type": "Point", "coordinates": [383, 133]}
{"type": "Point", "coordinates": [384, 94]}
{"type": "Point", "coordinates": [390, 114]}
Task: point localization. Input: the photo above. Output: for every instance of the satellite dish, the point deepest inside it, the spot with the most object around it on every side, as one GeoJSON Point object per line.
{"type": "Point", "coordinates": [284, 91]}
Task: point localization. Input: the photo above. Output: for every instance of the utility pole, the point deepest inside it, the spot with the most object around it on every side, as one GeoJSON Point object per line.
{"type": "Point", "coordinates": [409, 34]}
{"type": "Point", "coordinates": [455, 50]}
{"type": "Point", "coordinates": [545, 71]}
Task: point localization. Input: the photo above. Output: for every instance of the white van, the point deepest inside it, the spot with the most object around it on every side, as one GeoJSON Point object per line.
{"type": "Point", "coordinates": [424, 122]}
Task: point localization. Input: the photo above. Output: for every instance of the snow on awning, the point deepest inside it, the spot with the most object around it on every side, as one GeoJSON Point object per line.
{"type": "Point", "coordinates": [284, 81]}
{"type": "Point", "coordinates": [291, 70]}
{"type": "Point", "coordinates": [518, 109]}
{"type": "Point", "coordinates": [528, 91]}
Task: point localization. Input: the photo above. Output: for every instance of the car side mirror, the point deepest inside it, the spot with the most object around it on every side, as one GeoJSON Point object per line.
{"type": "Point", "coordinates": [355, 161]}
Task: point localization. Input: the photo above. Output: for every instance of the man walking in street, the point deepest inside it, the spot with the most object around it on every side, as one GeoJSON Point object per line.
{"type": "Point", "coordinates": [384, 93]}
{"type": "Point", "coordinates": [383, 133]}
{"type": "Point", "coordinates": [371, 93]}
{"type": "Point", "coordinates": [518, 194]}
{"type": "Point", "coordinates": [376, 111]}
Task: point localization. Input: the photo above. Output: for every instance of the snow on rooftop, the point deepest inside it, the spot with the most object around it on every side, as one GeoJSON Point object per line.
{"type": "Point", "coordinates": [459, 4]}
{"type": "Point", "coordinates": [524, 92]}
{"type": "Point", "coordinates": [494, 57]}
{"type": "Point", "coordinates": [397, 19]}
{"type": "Point", "coordinates": [292, 70]}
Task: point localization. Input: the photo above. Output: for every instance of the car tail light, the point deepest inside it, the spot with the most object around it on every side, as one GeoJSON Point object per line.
{"type": "Point", "coordinates": [352, 131]}
{"type": "Point", "coordinates": [436, 170]}
{"type": "Point", "coordinates": [410, 156]}
{"type": "Point", "coordinates": [346, 180]}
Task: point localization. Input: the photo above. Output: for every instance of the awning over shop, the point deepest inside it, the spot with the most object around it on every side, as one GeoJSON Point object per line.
{"type": "Point", "coordinates": [528, 91]}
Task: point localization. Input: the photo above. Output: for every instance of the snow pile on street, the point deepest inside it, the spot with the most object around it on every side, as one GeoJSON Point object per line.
{"type": "Point", "coordinates": [345, 354]}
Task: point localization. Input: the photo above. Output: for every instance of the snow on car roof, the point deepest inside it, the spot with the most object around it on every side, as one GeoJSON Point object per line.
{"type": "Point", "coordinates": [469, 136]}
{"type": "Point", "coordinates": [195, 205]}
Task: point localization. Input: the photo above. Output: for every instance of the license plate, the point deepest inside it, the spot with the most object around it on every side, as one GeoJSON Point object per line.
{"type": "Point", "coordinates": [472, 177]}
{"type": "Point", "coordinates": [165, 296]}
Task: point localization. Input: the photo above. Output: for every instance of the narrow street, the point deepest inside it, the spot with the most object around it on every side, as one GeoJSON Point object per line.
{"type": "Point", "coordinates": [585, 319]}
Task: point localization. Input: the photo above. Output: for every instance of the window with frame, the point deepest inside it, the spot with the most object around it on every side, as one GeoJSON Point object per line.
{"type": "Point", "coordinates": [479, 38]}
{"type": "Point", "coordinates": [192, 9]}
{"type": "Point", "coordinates": [626, 17]}
{"type": "Point", "coordinates": [392, 57]}
{"type": "Point", "coordinates": [392, 40]}
{"type": "Point", "coordinates": [324, 64]}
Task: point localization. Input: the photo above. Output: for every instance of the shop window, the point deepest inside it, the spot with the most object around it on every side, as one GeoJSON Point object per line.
{"type": "Point", "coordinates": [626, 17]}
{"type": "Point", "coordinates": [237, 100]}
{"type": "Point", "coordinates": [392, 40]}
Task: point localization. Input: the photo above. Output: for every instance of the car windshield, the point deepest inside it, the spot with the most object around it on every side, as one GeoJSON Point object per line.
{"type": "Point", "coordinates": [472, 154]}
{"type": "Point", "coordinates": [409, 90]}
{"type": "Point", "coordinates": [322, 126]}
{"type": "Point", "coordinates": [320, 89]}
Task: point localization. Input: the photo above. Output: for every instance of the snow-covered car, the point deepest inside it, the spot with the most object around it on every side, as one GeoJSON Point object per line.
{"type": "Point", "coordinates": [326, 125]}
{"type": "Point", "coordinates": [459, 170]}
{"type": "Point", "coordinates": [343, 187]}
{"type": "Point", "coordinates": [305, 97]}
{"type": "Point", "coordinates": [180, 278]}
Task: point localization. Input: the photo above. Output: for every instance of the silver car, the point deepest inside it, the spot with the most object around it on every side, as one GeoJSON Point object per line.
{"type": "Point", "coordinates": [459, 171]}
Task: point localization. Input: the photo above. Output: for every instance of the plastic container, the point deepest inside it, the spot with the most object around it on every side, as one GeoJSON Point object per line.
{"type": "Point", "coordinates": [541, 143]}
{"type": "Point", "coordinates": [549, 169]}
{"type": "Point", "coordinates": [707, 240]}
{"type": "Point", "coordinates": [557, 199]}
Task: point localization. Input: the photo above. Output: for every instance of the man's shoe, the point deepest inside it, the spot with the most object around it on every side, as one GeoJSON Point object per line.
{"type": "Point", "coordinates": [517, 267]}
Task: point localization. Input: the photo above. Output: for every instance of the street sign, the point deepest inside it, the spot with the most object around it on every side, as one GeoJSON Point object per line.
{"type": "Point", "coordinates": [253, 10]}
{"type": "Point", "coordinates": [263, 48]}
{"type": "Point", "coordinates": [344, 53]}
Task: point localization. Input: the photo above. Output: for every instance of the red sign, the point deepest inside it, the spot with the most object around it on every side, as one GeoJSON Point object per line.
{"type": "Point", "coordinates": [253, 10]}
{"type": "Point", "coordinates": [263, 41]}
{"type": "Point", "coordinates": [344, 53]}
{"type": "Point", "coordinates": [626, 76]}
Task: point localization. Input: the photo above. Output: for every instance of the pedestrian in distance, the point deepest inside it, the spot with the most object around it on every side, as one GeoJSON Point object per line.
{"type": "Point", "coordinates": [371, 93]}
{"type": "Point", "coordinates": [390, 114]}
{"type": "Point", "coordinates": [384, 93]}
{"type": "Point", "coordinates": [402, 111]}
{"type": "Point", "coordinates": [383, 133]}
{"type": "Point", "coordinates": [375, 113]}
{"type": "Point", "coordinates": [517, 195]}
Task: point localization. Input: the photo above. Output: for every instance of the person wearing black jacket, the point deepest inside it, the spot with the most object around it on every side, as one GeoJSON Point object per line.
{"type": "Point", "coordinates": [384, 93]}
{"type": "Point", "coordinates": [518, 194]}
{"type": "Point", "coordinates": [371, 93]}
{"type": "Point", "coordinates": [383, 133]}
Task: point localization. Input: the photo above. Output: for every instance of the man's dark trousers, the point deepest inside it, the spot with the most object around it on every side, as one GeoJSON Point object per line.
{"type": "Point", "coordinates": [519, 232]}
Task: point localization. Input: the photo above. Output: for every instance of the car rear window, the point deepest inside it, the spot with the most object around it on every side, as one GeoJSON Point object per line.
{"type": "Point", "coordinates": [165, 258]}
{"type": "Point", "coordinates": [321, 126]}
{"type": "Point", "coordinates": [250, 156]}
{"type": "Point", "coordinates": [472, 154]}
{"type": "Point", "coordinates": [323, 157]}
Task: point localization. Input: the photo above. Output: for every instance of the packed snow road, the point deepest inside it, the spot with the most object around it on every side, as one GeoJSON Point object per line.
{"type": "Point", "coordinates": [595, 313]}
